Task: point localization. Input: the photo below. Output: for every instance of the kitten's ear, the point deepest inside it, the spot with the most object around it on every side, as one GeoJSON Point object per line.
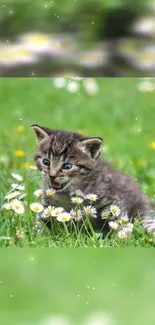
{"type": "Point", "coordinates": [92, 146]}
{"type": "Point", "coordinates": [40, 132]}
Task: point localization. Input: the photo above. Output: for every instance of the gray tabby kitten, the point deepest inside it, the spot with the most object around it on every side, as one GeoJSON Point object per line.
{"type": "Point", "coordinates": [71, 161]}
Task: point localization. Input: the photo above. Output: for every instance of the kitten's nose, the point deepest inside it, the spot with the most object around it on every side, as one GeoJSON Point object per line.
{"type": "Point", "coordinates": [52, 175]}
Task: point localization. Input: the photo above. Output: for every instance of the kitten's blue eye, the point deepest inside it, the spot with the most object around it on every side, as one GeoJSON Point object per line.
{"type": "Point", "coordinates": [46, 162]}
{"type": "Point", "coordinates": [67, 166]}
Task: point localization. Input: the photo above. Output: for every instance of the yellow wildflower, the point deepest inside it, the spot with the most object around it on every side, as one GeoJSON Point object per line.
{"type": "Point", "coordinates": [152, 145]}
{"type": "Point", "coordinates": [25, 165]}
{"type": "Point", "coordinates": [19, 153]}
{"type": "Point", "coordinates": [20, 128]}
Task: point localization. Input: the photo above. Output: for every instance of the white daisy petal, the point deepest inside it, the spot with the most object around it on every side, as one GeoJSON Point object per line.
{"type": "Point", "coordinates": [38, 193]}
{"type": "Point", "coordinates": [77, 200]}
{"type": "Point", "coordinates": [121, 234]}
{"type": "Point", "coordinates": [18, 207]}
{"type": "Point", "coordinates": [76, 214]}
{"type": "Point", "coordinates": [113, 225]}
{"type": "Point", "coordinates": [17, 177]}
{"type": "Point", "coordinates": [57, 211]}
{"type": "Point", "coordinates": [50, 192]}
{"type": "Point", "coordinates": [91, 197]}
{"type": "Point", "coordinates": [115, 210]}
{"type": "Point", "coordinates": [90, 210]}
{"type": "Point", "coordinates": [63, 217]}
{"type": "Point", "coordinates": [36, 207]}
{"type": "Point", "coordinates": [12, 195]}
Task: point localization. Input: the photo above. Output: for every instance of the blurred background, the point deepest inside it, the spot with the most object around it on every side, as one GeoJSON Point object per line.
{"type": "Point", "coordinates": [82, 38]}
{"type": "Point", "coordinates": [80, 287]}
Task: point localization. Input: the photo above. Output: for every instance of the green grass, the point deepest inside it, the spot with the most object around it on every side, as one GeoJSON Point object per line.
{"type": "Point", "coordinates": [119, 113]}
{"type": "Point", "coordinates": [36, 284]}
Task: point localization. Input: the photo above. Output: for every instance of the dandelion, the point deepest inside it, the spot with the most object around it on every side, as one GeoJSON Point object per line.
{"type": "Point", "coordinates": [113, 225]}
{"type": "Point", "coordinates": [17, 177]}
{"type": "Point", "coordinates": [20, 128]}
{"type": "Point", "coordinates": [125, 218]}
{"type": "Point", "coordinates": [8, 206]}
{"type": "Point", "coordinates": [152, 145]}
{"type": "Point", "coordinates": [18, 187]}
{"type": "Point", "coordinates": [19, 153]}
{"type": "Point", "coordinates": [38, 193]}
{"type": "Point", "coordinates": [105, 214]}
{"type": "Point", "coordinates": [64, 216]}
{"type": "Point", "coordinates": [90, 210]}
{"type": "Point", "coordinates": [18, 207]}
{"type": "Point", "coordinates": [115, 210]}
{"type": "Point", "coordinates": [77, 200]}
{"type": "Point", "coordinates": [121, 234]}
{"type": "Point", "coordinates": [36, 207]}
{"type": "Point", "coordinates": [50, 192]}
{"type": "Point", "coordinates": [25, 165]}
{"type": "Point", "coordinates": [48, 211]}
{"type": "Point", "coordinates": [91, 197]}
{"type": "Point", "coordinates": [56, 211]}
{"type": "Point", "coordinates": [76, 214]}
{"type": "Point", "coordinates": [12, 195]}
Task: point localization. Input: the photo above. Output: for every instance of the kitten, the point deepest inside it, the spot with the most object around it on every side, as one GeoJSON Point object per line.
{"type": "Point", "coordinates": [71, 161]}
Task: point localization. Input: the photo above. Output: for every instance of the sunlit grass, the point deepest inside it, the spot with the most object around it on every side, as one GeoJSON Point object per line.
{"type": "Point", "coordinates": [119, 112]}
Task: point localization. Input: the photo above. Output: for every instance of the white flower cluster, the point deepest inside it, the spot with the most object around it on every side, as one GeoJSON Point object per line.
{"type": "Point", "coordinates": [79, 210]}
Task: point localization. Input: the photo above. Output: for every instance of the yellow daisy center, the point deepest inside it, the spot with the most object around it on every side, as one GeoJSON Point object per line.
{"type": "Point", "coordinates": [36, 208]}
{"type": "Point", "coordinates": [114, 210]}
{"type": "Point", "coordinates": [64, 218]}
{"type": "Point", "coordinates": [17, 206]}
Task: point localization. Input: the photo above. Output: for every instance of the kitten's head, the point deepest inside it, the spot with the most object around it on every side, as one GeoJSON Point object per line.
{"type": "Point", "coordinates": [65, 158]}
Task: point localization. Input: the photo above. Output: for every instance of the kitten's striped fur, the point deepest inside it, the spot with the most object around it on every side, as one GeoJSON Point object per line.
{"type": "Point", "coordinates": [89, 174]}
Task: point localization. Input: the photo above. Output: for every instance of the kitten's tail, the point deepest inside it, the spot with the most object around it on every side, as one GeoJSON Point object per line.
{"type": "Point", "coordinates": [149, 219]}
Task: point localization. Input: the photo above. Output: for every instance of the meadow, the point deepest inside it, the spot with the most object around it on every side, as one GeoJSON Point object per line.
{"type": "Point", "coordinates": [119, 110]}
{"type": "Point", "coordinates": [64, 287]}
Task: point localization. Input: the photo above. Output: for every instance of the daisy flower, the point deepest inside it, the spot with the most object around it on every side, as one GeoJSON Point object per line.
{"type": "Point", "coordinates": [22, 196]}
{"type": "Point", "coordinates": [113, 225]}
{"type": "Point", "coordinates": [125, 218]}
{"type": "Point", "coordinates": [78, 193]}
{"type": "Point", "coordinates": [36, 207]}
{"type": "Point", "coordinates": [18, 207]}
{"type": "Point", "coordinates": [90, 210]}
{"type": "Point", "coordinates": [17, 177]}
{"type": "Point", "coordinates": [64, 216]}
{"type": "Point", "coordinates": [57, 211]}
{"type": "Point", "coordinates": [38, 193]}
{"type": "Point", "coordinates": [91, 197]}
{"type": "Point", "coordinates": [73, 87]}
{"type": "Point", "coordinates": [18, 187]}
{"type": "Point", "coordinates": [50, 192]}
{"type": "Point", "coordinates": [105, 214]}
{"type": "Point", "coordinates": [128, 228]}
{"type": "Point", "coordinates": [76, 214]}
{"type": "Point", "coordinates": [12, 195]}
{"type": "Point", "coordinates": [59, 82]}
{"type": "Point", "coordinates": [37, 42]}
{"type": "Point", "coordinates": [91, 86]}
{"type": "Point", "coordinates": [115, 210]}
{"type": "Point", "coordinates": [8, 206]}
{"type": "Point", "coordinates": [48, 211]}
{"type": "Point", "coordinates": [121, 234]}
{"type": "Point", "coordinates": [77, 200]}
